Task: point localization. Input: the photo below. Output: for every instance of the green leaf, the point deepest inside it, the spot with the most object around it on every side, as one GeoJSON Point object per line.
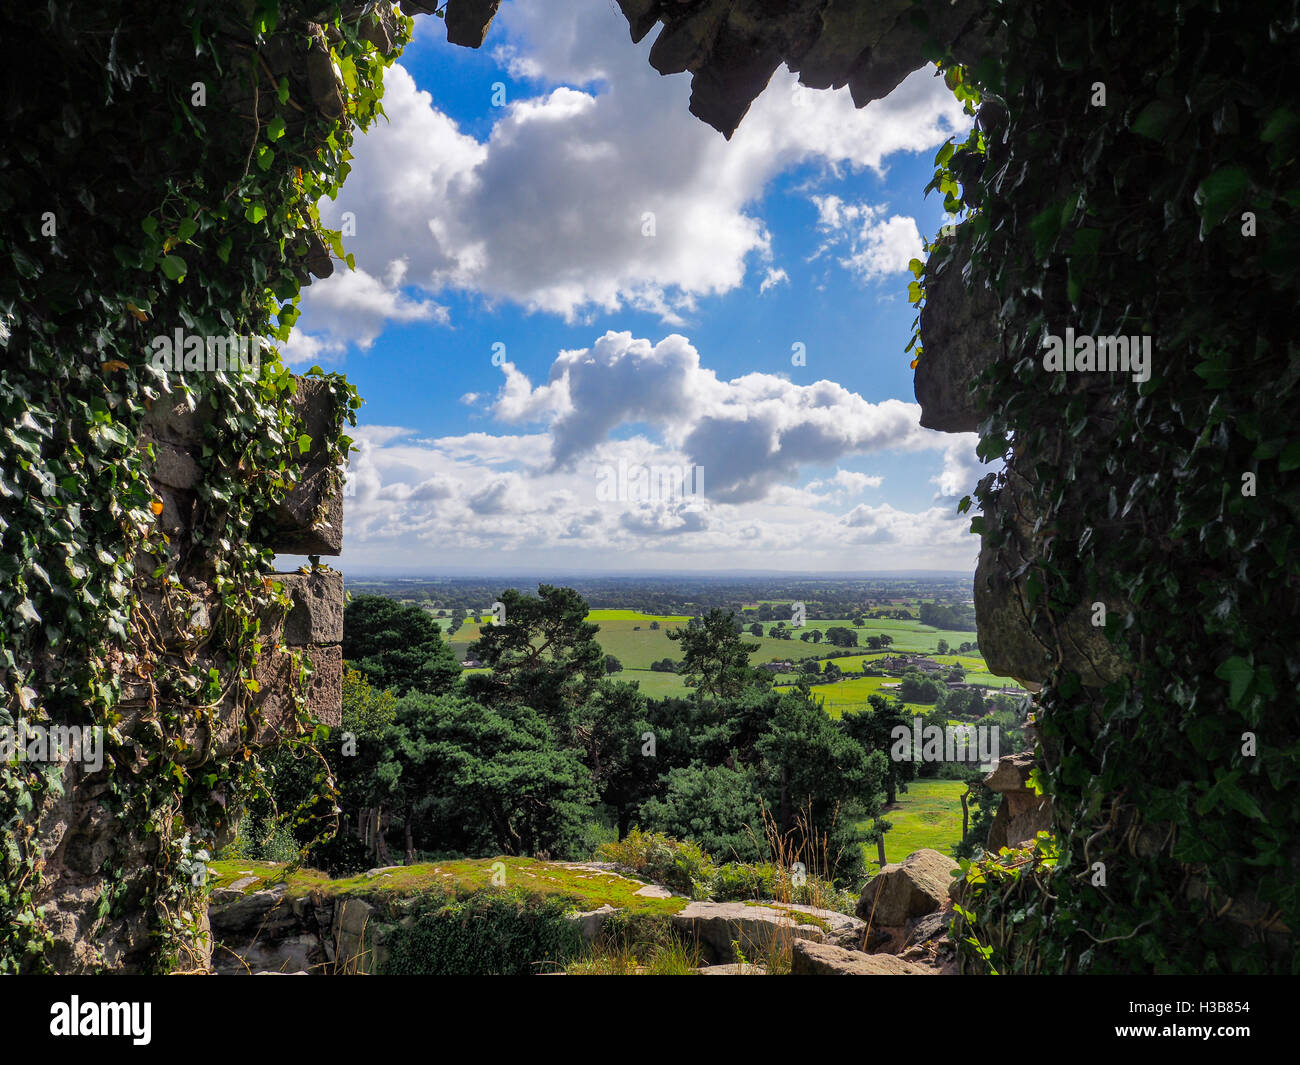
{"type": "Point", "coordinates": [1290, 457]}
{"type": "Point", "coordinates": [174, 267]}
{"type": "Point", "coordinates": [1219, 193]}
{"type": "Point", "coordinates": [304, 444]}
{"type": "Point", "coordinates": [1155, 119]}
{"type": "Point", "coordinates": [275, 128]}
{"type": "Point", "coordinates": [255, 212]}
{"type": "Point", "coordinates": [1238, 673]}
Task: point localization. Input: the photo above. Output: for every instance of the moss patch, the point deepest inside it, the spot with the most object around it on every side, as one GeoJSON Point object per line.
{"type": "Point", "coordinates": [591, 888]}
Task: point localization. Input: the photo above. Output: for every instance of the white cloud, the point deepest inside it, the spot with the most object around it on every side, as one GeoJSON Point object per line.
{"type": "Point", "coordinates": [873, 246]}
{"type": "Point", "coordinates": [750, 433]}
{"type": "Point", "coordinates": [773, 278]}
{"type": "Point", "coordinates": [961, 466]}
{"type": "Point", "coordinates": [846, 483]}
{"type": "Point", "coordinates": [549, 212]}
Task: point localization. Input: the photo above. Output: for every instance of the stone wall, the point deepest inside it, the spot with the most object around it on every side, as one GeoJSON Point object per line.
{"type": "Point", "coordinates": [77, 829]}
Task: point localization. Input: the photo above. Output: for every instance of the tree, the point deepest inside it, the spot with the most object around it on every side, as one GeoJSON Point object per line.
{"type": "Point", "coordinates": [468, 778]}
{"type": "Point", "coordinates": [756, 629]}
{"type": "Point", "coordinates": [654, 626]}
{"type": "Point", "coordinates": [714, 657]}
{"type": "Point", "coordinates": [397, 647]}
{"type": "Point", "coordinates": [942, 649]}
{"type": "Point", "coordinates": [545, 655]}
{"type": "Point", "coordinates": [810, 766]}
{"type": "Point", "coordinates": [841, 636]}
{"type": "Point", "coordinates": [613, 665]}
{"type": "Point", "coordinates": [714, 806]}
{"type": "Point", "coordinates": [874, 729]}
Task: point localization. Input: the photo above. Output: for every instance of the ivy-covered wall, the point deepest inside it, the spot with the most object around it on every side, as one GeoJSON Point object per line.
{"type": "Point", "coordinates": [1133, 173]}
{"type": "Point", "coordinates": [159, 171]}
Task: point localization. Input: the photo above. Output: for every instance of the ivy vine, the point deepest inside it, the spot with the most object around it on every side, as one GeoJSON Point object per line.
{"type": "Point", "coordinates": [160, 170]}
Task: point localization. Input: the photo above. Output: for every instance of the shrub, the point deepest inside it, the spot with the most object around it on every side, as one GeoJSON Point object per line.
{"type": "Point", "coordinates": [681, 866]}
{"type": "Point", "coordinates": [488, 933]}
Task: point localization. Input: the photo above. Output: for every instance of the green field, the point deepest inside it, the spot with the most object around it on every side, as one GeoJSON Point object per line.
{"type": "Point", "coordinates": [626, 634]}
{"type": "Point", "coordinates": [927, 816]}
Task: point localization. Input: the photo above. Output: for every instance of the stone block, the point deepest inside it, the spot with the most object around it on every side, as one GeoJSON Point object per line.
{"type": "Point", "coordinates": [275, 675]}
{"type": "Point", "coordinates": [317, 613]}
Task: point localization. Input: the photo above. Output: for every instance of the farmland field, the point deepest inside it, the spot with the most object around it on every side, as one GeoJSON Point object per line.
{"type": "Point", "coordinates": [927, 815]}
{"type": "Point", "coordinates": [626, 634]}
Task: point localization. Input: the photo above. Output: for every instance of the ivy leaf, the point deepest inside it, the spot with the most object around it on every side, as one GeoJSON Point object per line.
{"type": "Point", "coordinates": [28, 612]}
{"type": "Point", "coordinates": [1155, 119]}
{"type": "Point", "coordinates": [304, 444]}
{"type": "Point", "coordinates": [174, 267]}
{"type": "Point", "coordinates": [1238, 673]}
{"type": "Point", "coordinates": [1219, 193]}
{"type": "Point", "coordinates": [275, 128]}
{"type": "Point", "coordinates": [255, 212]}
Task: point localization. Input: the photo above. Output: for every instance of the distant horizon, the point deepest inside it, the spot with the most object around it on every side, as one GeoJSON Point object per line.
{"type": "Point", "coordinates": [661, 574]}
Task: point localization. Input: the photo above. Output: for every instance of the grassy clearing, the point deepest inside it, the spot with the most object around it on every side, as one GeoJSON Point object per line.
{"type": "Point", "coordinates": [927, 816]}
{"type": "Point", "coordinates": [592, 887]}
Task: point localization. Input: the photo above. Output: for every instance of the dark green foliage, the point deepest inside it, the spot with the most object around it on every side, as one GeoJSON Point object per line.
{"type": "Point", "coordinates": [716, 807]}
{"type": "Point", "coordinates": [489, 933]}
{"type": "Point", "coordinates": [165, 215]}
{"type": "Point", "coordinates": [1135, 218]}
{"type": "Point", "coordinates": [715, 660]}
{"type": "Point", "coordinates": [544, 655]}
{"type": "Point", "coordinates": [475, 780]}
{"type": "Point", "coordinates": [398, 647]}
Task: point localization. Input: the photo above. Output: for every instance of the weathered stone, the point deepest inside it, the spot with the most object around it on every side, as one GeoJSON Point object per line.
{"type": "Point", "coordinates": [322, 81]}
{"type": "Point", "coordinates": [720, 926]}
{"type": "Point", "coordinates": [1009, 646]}
{"type": "Point", "coordinates": [590, 922]}
{"type": "Point", "coordinates": [174, 467]}
{"type": "Point", "coordinates": [1022, 814]}
{"type": "Point", "coordinates": [317, 612]}
{"type": "Point", "coordinates": [468, 21]}
{"type": "Point", "coordinates": [736, 968]}
{"type": "Point", "coordinates": [930, 927]}
{"type": "Point", "coordinates": [913, 888]}
{"type": "Point", "coordinates": [733, 46]}
{"type": "Point", "coordinates": [310, 520]}
{"type": "Point", "coordinates": [171, 420]}
{"type": "Point", "coordinates": [825, 959]}
{"type": "Point", "coordinates": [275, 675]}
{"type": "Point", "coordinates": [177, 511]}
{"type": "Point", "coordinates": [961, 339]}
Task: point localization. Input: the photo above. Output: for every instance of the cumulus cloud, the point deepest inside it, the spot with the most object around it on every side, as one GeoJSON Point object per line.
{"type": "Point", "coordinates": [846, 483]}
{"type": "Point", "coordinates": [870, 244]}
{"type": "Point", "coordinates": [596, 189]}
{"type": "Point", "coordinates": [961, 466]}
{"type": "Point", "coordinates": [750, 433]}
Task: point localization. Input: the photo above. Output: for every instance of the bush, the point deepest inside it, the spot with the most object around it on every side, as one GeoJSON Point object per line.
{"type": "Point", "coordinates": [681, 866]}
{"type": "Point", "coordinates": [734, 881]}
{"type": "Point", "coordinates": [488, 933]}
{"type": "Point", "coordinates": [262, 840]}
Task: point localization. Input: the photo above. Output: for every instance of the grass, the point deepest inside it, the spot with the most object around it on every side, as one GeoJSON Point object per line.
{"type": "Point", "coordinates": [927, 816]}
{"type": "Point", "coordinates": [626, 634]}
{"type": "Point", "coordinates": [591, 887]}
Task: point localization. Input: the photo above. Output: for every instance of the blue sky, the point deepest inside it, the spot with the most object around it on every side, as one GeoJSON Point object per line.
{"type": "Point", "coordinates": [644, 284]}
